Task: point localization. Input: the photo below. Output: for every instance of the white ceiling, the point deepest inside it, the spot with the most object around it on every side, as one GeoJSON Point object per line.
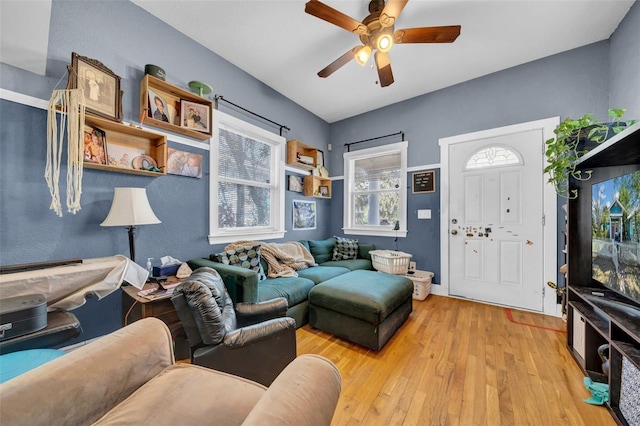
{"type": "Point", "coordinates": [282, 46]}
{"type": "Point", "coordinates": [24, 42]}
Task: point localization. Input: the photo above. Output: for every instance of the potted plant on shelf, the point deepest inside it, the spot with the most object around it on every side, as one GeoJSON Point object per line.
{"type": "Point", "coordinates": [574, 138]}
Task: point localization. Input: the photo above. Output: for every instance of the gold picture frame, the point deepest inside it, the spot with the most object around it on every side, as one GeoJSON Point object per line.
{"type": "Point", "coordinates": [101, 86]}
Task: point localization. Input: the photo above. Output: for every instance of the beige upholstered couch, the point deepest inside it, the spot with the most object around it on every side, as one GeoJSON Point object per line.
{"type": "Point", "coordinates": [130, 377]}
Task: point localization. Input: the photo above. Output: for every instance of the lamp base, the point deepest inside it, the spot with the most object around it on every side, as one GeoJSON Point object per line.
{"type": "Point", "coordinates": [132, 248]}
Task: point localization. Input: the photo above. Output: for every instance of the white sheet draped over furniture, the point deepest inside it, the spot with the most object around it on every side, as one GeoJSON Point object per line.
{"type": "Point", "coordinates": [65, 287]}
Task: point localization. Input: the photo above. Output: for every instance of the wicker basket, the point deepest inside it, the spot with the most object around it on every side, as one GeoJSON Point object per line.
{"type": "Point", "coordinates": [389, 261]}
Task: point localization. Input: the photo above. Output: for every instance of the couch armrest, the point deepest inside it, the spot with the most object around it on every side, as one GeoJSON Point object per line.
{"type": "Point", "coordinates": [81, 386]}
{"type": "Point", "coordinates": [241, 283]}
{"type": "Point", "coordinates": [364, 249]}
{"type": "Point", "coordinates": [305, 393]}
{"type": "Point", "coordinates": [254, 333]}
{"type": "Point", "coordinates": [253, 313]}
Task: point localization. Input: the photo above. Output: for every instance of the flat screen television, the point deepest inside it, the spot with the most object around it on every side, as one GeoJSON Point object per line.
{"type": "Point", "coordinates": [615, 234]}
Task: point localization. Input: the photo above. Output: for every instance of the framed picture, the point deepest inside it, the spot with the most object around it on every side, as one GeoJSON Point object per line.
{"type": "Point", "coordinates": [296, 183]}
{"type": "Point", "coordinates": [195, 116]}
{"type": "Point", "coordinates": [123, 156]}
{"type": "Point", "coordinates": [304, 215]}
{"type": "Point", "coordinates": [95, 145]}
{"type": "Point", "coordinates": [184, 163]}
{"type": "Point", "coordinates": [101, 86]}
{"type": "Point", "coordinates": [158, 108]}
{"type": "Point", "coordinates": [324, 191]}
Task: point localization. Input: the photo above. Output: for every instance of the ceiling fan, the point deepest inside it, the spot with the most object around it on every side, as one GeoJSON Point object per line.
{"type": "Point", "coordinates": [376, 32]}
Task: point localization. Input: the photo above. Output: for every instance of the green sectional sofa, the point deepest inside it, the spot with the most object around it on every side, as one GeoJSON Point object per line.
{"type": "Point", "coordinates": [244, 286]}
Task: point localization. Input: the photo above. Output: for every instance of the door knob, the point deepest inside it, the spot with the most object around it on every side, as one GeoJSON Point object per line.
{"type": "Point", "coordinates": [454, 232]}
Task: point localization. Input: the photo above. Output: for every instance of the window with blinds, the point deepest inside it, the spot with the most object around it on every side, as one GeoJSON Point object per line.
{"type": "Point", "coordinates": [247, 191]}
{"type": "Point", "coordinates": [375, 190]}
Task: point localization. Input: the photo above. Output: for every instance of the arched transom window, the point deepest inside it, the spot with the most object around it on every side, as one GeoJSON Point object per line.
{"type": "Point", "coordinates": [493, 156]}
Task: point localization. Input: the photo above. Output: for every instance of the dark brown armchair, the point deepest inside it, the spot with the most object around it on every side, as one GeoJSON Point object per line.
{"type": "Point", "coordinates": [251, 340]}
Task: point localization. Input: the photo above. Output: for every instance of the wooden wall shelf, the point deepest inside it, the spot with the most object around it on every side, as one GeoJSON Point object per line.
{"type": "Point", "coordinates": [297, 149]}
{"type": "Point", "coordinates": [122, 136]}
{"type": "Point", "coordinates": [312, 186]}
{"type": "Point", "coordinates": [172, 95]}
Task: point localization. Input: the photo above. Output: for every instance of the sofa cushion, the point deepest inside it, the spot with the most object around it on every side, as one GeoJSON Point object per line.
{"type": "Point", "coordinates": [244, 257]}
{"type": "Point", "coordinates": [319, 274]}
{"type": "Point", "coordinates": [183, 385]}
{"type": "Point", "coordinates": [351, 264]}
{"type": "Point", "coordinates": [294, 289]}
{"type": "Point", "coordinates": [322, 250]}
{"type": "Point", "coordinates": [305, 243]}
{"type": "Point", "coordinates": [345, 249]}
{"type": "Point", "coordinates": [364, 249]}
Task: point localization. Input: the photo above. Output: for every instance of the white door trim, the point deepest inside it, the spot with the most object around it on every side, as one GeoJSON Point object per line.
{"type": "Point", "coordinates": [550, 207]}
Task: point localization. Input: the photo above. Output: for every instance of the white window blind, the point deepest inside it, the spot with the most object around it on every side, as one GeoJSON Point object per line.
{"type": "Point", "coordinates": [247, 191]}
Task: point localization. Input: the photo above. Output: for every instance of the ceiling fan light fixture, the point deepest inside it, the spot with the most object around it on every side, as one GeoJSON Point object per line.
{"type": "Point", "coordinates": [377, 35]}
{"type": "Point", "coordinates": [363, 55]}
{"type": "Point", "coordinates": [384, 43]}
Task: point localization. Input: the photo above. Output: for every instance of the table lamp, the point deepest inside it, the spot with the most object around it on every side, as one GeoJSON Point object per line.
{"type": "Point", "coordinates": [130, 207]}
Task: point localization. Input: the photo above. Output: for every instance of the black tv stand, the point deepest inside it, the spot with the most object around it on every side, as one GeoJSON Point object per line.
{"type": "Point", "coordinates": [595, 314]}
{"type": "Point", "coordinates": [607, 302]}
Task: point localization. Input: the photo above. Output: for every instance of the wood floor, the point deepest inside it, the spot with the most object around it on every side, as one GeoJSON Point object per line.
{"type": "Point", "coordinates": [456, 362]}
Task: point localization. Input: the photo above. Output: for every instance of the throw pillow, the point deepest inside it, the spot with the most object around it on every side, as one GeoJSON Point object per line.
{"type": "Point", "coordinates": [245, 257]}
{"type": "Point", "coordinates": [322, 250]}
{"type": "Point", "coordinates": [345, 248]}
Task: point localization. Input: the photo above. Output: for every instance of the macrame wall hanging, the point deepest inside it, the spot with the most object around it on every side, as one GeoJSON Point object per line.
{"type": "Point", "coordinates": [70, 103]}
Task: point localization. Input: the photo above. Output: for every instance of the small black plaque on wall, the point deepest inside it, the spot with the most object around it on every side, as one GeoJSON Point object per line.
{"type": "Point", "coordinates": [423, 182]}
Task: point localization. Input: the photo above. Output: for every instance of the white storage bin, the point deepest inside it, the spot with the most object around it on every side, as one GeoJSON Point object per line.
{"type": "Point", "coordinates": [389, 261]}
{"type": "Point", "coordinates": [421, 284]}
{"type": "Point", "coordinates": [578, 335]}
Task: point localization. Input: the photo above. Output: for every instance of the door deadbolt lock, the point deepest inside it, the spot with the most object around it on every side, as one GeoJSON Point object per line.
{"type": "Point", "coordinates": [454, 221]}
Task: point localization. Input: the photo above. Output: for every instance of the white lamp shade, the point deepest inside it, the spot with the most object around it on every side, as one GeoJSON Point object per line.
{"type": "Point", "coordinates": [130, 207]}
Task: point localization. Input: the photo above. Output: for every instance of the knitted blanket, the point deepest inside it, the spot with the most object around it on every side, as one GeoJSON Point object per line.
{"type": "Point", "coordinates": [284, 259]}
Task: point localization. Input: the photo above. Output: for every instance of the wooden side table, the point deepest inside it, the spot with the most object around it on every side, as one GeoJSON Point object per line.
{"type": "Point", "coordinates": [136, 307]}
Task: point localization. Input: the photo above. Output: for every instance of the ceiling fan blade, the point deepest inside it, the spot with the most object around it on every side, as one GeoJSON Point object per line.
{"type": "Point", "coordinates": [383, 62]}
{"type": "Point", "coordinates": [391, 11]}
{"type": "Point", "coordinates": [338, 63]}
{"type": "Point", "coordinates": [427, 35]}
{"type": "Point", "coordinates": [335, 17]}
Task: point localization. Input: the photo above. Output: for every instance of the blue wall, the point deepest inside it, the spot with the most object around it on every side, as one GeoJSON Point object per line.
{"type": "Point", "coordinates": [567, 84]}
{"type": "Point", "coordinates": [625, 64]}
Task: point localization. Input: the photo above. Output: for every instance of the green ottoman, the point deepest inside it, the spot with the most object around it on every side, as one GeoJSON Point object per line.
{"type": "Point", "coordinates": [364, 307]}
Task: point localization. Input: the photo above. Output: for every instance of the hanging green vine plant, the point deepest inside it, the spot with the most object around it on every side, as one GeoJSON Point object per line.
{"type": "Point", "coordinates": [566, 148]}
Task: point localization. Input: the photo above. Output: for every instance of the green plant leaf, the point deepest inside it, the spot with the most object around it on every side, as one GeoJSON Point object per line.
{"type": "Point", "coordinates": [617, 112]}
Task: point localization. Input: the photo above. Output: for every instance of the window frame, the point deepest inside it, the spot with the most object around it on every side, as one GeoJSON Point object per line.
{"type": "Point", "coordinates": [218, 235]}
{"type": "Point", "coordinates": [349, 226]}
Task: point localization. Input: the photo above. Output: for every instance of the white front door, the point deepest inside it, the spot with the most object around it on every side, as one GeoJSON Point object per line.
{"type": "Point", "coordinates": [495, 213]}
